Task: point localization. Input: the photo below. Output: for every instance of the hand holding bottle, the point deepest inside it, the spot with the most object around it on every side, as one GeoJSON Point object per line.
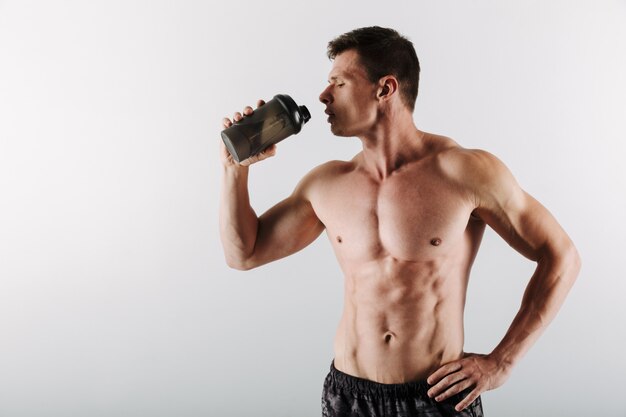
{"type": "Point", "coordinates": [226, 157]}
{"type": "Point", "coordinates": [256, 132]}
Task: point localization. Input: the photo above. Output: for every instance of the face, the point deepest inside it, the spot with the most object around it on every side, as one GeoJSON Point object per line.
{"type": "Point", "coordinates": [350, 98]}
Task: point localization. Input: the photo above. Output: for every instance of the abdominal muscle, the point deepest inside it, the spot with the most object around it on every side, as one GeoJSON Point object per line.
{"type": "Point", "coordinates": [401, 320]}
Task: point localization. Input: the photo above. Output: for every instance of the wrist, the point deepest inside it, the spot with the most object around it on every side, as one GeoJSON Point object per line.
{"type": "Point", "coordinates": [233, 168]}
{"type": "Point", "coordinates": [504, 360]}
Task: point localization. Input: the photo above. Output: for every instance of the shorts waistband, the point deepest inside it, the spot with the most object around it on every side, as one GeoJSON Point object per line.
{"type": "Point", "coordinates": [365, 386]}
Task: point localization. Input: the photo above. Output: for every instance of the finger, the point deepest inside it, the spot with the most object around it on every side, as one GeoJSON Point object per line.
{"type": "Point", "coordinates": [271, 151]}
{"type": "Point", "coordinates": [443, 371]}
{"type": "Point", "coordinates": [471, 397]}
{"type": "Point", "coordinates": [446, 383]}
{"type": "Point", "coordinates": [247, 111]}
{"type": "Point", "coordinates": [267, 153]}
{"type": "Point", "coordinates": [237, 117]}
{"type": "Point", "coordinates": [260, 102]}
{"type": "Point", "coordinates": [226, 122]}
{"type": "Point", "coordinates": [454, 389]}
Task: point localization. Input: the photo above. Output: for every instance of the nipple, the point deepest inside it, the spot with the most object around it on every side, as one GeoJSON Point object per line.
{"type": "Point", "coordinates": [435, 241]}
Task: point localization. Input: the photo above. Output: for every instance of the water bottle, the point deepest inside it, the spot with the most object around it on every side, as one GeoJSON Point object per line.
{"type": "Point", "coordinates": [274, 121]}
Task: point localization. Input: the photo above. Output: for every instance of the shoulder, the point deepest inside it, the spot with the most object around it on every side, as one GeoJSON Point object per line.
{"type": "Point", "coordinates": [328, 171]}
{"type": "Point", "coordinates": [480, 172]}
{"type": "Point", "coordinates": [474, 164]}
{"type": "Point", "coordinates": [322, 175]}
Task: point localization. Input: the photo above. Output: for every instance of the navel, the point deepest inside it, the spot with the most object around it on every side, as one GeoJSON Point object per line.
{"type": "Point", "coordinates": [388, 337]}
{"type": "Point", "coordinates": [339, 239]}
{"type": "Point", "coordinates": [435, 241]}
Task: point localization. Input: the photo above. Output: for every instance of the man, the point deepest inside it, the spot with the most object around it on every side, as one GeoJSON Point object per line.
{"type": "Point", "coordinates": [405, 218]}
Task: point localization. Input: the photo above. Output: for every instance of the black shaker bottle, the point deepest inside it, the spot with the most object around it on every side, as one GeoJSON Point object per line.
{"type": "Point", "coordinates": [274, 121]}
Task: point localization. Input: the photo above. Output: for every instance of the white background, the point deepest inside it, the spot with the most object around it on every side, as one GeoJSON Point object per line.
{"type": "Point", "coordinates": [114, 296]}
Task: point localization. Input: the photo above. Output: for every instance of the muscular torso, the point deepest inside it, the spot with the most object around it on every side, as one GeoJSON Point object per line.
{"type": "Point", "coordinates": [405, 245]}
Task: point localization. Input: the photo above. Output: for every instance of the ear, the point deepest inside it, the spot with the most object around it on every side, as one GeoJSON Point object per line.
{"type": "Point", "coordinates": [387, 87]}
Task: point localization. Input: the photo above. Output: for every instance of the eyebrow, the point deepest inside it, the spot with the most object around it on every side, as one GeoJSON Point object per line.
{"type": "Point", "coordinates": [336, 77]}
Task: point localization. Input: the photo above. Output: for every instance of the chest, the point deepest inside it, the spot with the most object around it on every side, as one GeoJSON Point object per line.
{"type": "Point", "coordinates": [409, 216]}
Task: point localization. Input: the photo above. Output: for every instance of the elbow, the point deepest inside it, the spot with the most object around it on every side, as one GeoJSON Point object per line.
{"type": "Point", "coordinates": [570, 262]}
{"type": "Point", "coordinates": [572, 265]}
{"type": "Point", "coordinates": [239, 263]}
{"type": "Point", "coordinates": [236, 265]}
{"type": "Point", "coordinates": [237, 257]}
{"type": "Point", "coordinates": [575, 261]}
{"type": "Point", "coordinates": [564, 259]}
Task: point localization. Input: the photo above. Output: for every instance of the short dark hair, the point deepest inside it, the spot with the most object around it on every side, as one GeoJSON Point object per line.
{"type": "Point", "coordinates": [382, 52]}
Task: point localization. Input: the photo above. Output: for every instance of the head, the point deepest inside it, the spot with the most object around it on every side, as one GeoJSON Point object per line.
{"type": "Point", "coordinates": [376, 64]}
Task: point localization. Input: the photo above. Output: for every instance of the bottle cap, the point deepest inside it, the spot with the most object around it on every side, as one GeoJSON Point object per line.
{"type": "Point", "coordinates": [305, 114]}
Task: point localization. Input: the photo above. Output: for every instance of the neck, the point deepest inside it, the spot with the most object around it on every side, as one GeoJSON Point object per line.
{"type": "Point", "coordinates": [393, 142]}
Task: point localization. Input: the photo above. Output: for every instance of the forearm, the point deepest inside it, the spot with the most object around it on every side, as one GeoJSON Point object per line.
{"type": "Point", "coordinates": [238, 221]}
{"type": "Point", "coordinates": [544, 295]}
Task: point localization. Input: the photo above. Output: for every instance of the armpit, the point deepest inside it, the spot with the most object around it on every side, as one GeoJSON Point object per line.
{"type": "Point", "coordinates": [475, 216]}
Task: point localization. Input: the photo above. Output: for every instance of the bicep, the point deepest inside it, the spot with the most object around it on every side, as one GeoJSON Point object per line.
{"type": "Point", "coordinates": [284, 229]}
{"type": "Point", "coordinates": [515, 215]}
{"type": "Point", "coordinates": [524, 223]}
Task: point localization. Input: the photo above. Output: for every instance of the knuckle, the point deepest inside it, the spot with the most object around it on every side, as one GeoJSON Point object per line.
{"type": "Point", "coordinates": [441, 397]}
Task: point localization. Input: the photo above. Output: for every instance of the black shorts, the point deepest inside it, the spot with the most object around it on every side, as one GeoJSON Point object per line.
{"type": "Point", "coordinates": [348, 396]}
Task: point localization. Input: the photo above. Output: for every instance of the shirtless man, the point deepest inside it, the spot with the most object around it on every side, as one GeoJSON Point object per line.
{"type": "Point", "coordinates": [405, 218]}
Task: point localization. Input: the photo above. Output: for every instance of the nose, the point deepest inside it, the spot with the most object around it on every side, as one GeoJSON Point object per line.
{"type": "Point", "coordinates": [325, 96]}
